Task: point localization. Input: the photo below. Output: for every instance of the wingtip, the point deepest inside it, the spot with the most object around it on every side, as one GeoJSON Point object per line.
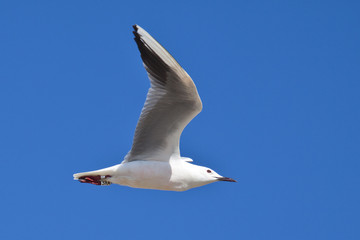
{"type": "Point", "coordinates": [135, 32]}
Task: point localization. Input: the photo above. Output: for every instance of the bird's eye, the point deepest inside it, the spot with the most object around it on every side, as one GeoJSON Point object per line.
{"type": "Point", "coordinates": [209, 171]}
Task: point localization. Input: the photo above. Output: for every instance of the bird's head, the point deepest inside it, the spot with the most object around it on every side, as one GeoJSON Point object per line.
{"type": "Point", "coordinates": [209, 175]}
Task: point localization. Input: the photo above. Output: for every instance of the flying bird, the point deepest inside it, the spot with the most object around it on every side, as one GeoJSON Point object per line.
{"type": "Point", "coordinates": [154, 161]}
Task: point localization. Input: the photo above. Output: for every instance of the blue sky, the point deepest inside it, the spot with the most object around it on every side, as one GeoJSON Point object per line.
{"type": "Point", "coordinates": [280, 85]}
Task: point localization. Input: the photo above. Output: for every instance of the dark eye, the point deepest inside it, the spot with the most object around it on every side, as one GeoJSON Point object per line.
{"type": "Point", "coordinates": [209, 171]}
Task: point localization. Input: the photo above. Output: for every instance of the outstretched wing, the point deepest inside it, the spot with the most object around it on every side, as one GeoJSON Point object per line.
{"type": "Point", "coordinates": [171, 103]}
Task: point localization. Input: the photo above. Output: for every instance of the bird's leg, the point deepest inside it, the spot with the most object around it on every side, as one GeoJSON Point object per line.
{"type": "Point", "coordinates": [95, 179]}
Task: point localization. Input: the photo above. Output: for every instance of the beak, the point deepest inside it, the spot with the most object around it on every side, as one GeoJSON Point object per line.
{"type": "Point", "coordinates": [226, 179]}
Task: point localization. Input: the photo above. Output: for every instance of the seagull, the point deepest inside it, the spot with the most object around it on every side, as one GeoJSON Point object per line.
{"type": "Point", "coordinates": [154, 161]}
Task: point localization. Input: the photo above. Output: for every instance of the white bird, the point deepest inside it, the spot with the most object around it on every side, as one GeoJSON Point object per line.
{"type": "Point", "coordinates": [154, 161]}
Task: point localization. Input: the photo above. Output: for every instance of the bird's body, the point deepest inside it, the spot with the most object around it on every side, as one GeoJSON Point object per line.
{"type": "Point", "coordinates": [154, 161]}
{"type": "Point", "coordinates": [174, 175]}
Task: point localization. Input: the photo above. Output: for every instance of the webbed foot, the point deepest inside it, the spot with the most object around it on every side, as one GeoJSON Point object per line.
{"type": "Point", "coordinates": [95, 179]}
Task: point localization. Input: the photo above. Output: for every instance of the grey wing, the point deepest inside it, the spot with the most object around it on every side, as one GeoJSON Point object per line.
{"type": "Point", "coordinates": [171, 103]}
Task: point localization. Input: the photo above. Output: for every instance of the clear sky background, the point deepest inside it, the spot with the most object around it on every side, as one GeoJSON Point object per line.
{"type": "Point", "coordinates": [280, 85]}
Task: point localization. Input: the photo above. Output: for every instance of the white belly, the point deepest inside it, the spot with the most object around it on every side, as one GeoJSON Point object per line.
{"type": "Point", "coordinates": [148, 174]}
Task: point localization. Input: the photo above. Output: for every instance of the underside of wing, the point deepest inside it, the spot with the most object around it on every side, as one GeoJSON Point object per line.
{"type": "Point", "coordinates": [172, 102]}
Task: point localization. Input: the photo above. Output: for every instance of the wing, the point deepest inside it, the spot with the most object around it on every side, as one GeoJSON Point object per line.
{"type": "Point", "coordinates": [171, 103]}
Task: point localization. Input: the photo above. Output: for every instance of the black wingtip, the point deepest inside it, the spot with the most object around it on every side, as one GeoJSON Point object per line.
{"type": "Point", "coordinates": [136, 34]}
{"type": "Point", "coordinates": [154, 64]}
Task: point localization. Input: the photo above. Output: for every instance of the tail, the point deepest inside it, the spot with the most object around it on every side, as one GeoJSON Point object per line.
{"type": "Point", "coordinates": [98, 177]}
{"type": "Point", "coordinates": [78, 176]}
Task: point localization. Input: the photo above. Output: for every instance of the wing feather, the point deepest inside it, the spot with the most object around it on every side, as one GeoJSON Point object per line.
{"type": "Point", "coordinates": [171, 103]}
